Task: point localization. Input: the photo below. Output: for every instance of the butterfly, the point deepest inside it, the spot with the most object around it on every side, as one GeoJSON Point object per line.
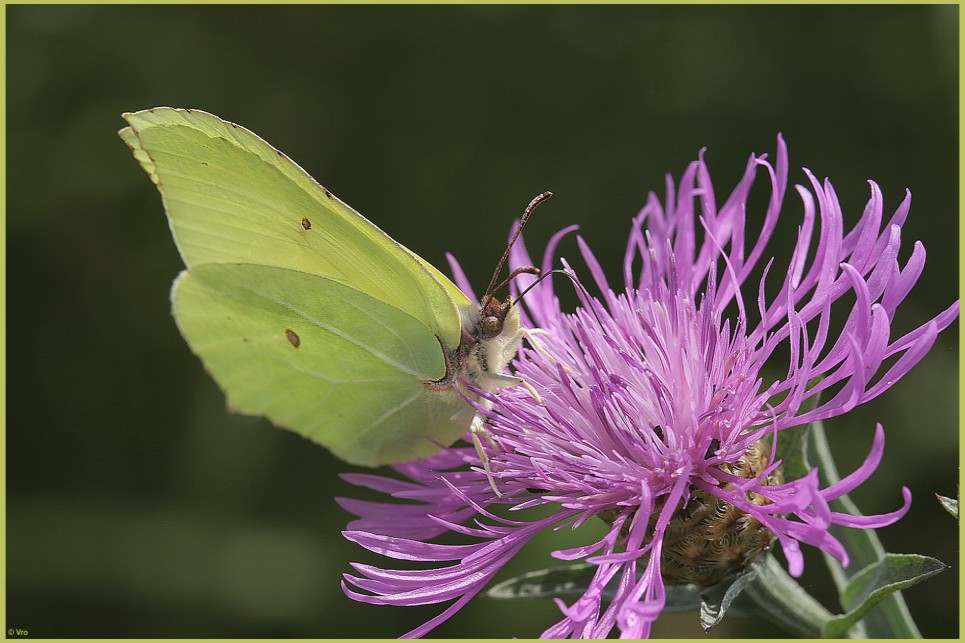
{"type": "Point", "coordinates": [305, 312]}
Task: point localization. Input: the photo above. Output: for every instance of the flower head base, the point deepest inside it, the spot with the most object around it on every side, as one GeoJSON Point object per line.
{"type": "Point", "coordinates": [709, 539]}
{"type": "Point", "coordinates": [653, 410]}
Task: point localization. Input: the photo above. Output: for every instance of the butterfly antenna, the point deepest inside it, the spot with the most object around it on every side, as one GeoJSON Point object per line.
{"type": "Point", "coordinates": [557, 271]}
{"type": "Point", "coordinates": [576, 282]}
{"type": "Point", "coordinates": [519, 229]}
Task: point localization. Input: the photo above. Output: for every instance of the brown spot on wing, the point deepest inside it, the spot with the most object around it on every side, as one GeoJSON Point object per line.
{"type": "Point", "coordinates": [293, 337]}
{"type": "Point", "coordinates": [306, 224]}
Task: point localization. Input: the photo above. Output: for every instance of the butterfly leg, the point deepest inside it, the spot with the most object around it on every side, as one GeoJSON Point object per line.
{"type": "Point", "coordinates": [477, 428]}
{"type": "Point", "coordinates": [532, 334]}
{"type": "Point", "coordinates": [499, 381]}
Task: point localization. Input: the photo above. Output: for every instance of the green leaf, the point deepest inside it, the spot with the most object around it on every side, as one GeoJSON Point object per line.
{"type": "Point", "coordinates": [717, 600]}
{"type": "Point", "coordinates": [546, 583]}
{"type": "Point", "coordinates": [683, 598]}
{"type": "Point", "coordinates": [782, 600]}
{"type": "Point", "coordinates": [877, 581]}
{"type": "Point", "coordinates": [574, 580]}
{"type": "Point", "coordinates": [949, 504]}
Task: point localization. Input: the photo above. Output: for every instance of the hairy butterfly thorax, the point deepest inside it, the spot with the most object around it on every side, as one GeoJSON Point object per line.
{"type": "Point", "coordinates": [490, 341]}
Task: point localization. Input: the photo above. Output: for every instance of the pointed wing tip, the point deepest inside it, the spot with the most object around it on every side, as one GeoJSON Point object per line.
{"type": "Point", "coordinates": [143, 116]}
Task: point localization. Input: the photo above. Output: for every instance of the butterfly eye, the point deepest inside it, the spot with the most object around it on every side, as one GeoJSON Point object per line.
{"type": "Point", "coordinates": [491, 326]}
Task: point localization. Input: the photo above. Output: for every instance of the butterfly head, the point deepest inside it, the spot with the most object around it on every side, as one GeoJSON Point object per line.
{"type": "Point", "coordinates": [493, 317]}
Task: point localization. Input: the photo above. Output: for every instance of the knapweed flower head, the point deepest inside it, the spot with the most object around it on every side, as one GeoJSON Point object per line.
{"type": "Point", "coordinates": [657, 401]}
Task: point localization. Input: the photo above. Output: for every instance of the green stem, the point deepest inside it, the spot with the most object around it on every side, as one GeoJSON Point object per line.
{"type": "Point", "coordinates": [891, 617]}
{"type": "Point", "coordinates": [785, 602]}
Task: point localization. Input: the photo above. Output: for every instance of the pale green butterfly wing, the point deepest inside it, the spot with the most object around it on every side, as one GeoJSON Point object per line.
{"type": "Point", "coordinates": [325, 360]}
{"type": "Point", "coordinates": [233, 198]}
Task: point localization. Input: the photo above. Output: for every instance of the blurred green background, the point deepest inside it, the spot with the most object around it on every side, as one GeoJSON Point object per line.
{"type": "Point", "coordinates": [137, 507]}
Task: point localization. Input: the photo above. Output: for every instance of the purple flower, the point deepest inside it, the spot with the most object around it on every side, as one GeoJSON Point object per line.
{"type": "Point", "coordinates": [656, 406]}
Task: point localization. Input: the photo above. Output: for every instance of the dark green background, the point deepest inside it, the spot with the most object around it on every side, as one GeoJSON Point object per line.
{"type": "Point", "coordinates": [137, 507]}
